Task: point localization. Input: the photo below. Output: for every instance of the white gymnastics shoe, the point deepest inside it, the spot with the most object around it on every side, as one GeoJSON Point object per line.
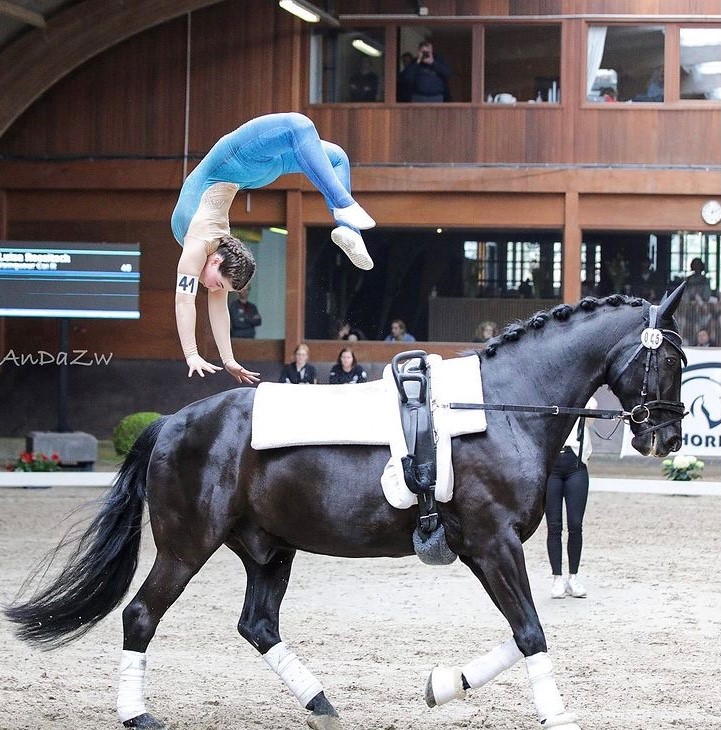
{"type": "Point", "coordinates": [574, 587]}
{"type": "Point", "coordinates": [353, 216]}
{"type": "Point", "coordinates": [558, 589]}
{"type": "Point", "coordinates": [351, 242]}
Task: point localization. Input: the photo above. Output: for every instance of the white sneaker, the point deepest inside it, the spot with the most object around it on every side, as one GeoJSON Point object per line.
{"type": "Point", "coordinates": [353, 216]}
{"type": "Point", "coordinates": [558, 589]}
{"type": "Point", "coordinates": [351, 242]}
{"type": "Point", "coordinates": [574, 587]}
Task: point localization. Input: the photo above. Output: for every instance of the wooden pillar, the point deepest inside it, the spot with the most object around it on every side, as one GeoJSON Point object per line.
{"type": "Point", "coordinates": [295, 273]}
{"type": "Point", "coordinates": [571, 281]}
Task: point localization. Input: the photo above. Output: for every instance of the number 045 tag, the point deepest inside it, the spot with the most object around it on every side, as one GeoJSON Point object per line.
{"type": "Point", "coordinates": [651, 338]}
{"type": "Point", "coordinates": [186, 284]}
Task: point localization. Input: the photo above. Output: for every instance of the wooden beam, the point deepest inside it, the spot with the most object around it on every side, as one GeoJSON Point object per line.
{"type": "Point", "coordinates": [22, 14]}
{"type": "Point", "coordinates": [40, 58]}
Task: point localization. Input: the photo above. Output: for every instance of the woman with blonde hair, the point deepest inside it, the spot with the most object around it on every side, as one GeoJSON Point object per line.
{"type": "Point", "coordinates": [300, 371]}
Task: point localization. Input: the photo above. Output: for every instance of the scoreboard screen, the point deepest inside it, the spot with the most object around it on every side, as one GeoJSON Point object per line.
{"type": "Point", "coordinates": [54, 279]}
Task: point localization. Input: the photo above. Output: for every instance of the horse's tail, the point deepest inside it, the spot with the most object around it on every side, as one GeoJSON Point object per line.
{"type": "Point", "coordinates": [101, 567]}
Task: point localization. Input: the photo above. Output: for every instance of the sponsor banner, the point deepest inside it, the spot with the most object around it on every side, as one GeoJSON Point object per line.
{"type": "Point", "coordinates": [701, 394]}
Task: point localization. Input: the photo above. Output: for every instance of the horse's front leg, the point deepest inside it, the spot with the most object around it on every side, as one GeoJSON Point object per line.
{"type": "Point", "coordinates": [502, 571]}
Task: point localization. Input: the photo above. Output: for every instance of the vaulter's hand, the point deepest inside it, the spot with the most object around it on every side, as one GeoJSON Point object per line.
{"type": "Point", "coordinates": [241, 374]}
{"type": "Point", "coordinates": [197, 364]}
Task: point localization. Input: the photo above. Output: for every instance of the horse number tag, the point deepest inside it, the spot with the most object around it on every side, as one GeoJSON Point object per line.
{"type": "Point", "coordinates": [651, 338]}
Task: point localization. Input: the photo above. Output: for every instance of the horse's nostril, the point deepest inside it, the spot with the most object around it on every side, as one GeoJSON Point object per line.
{"type": "Point", "coordinates": [674, 444]}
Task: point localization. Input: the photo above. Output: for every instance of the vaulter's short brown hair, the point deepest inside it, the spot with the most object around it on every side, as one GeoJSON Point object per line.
{"type": "Point", "coordinates": [238, 263]}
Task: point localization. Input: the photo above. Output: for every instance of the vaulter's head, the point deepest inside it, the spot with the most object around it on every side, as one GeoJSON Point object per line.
{"type": "Point", "coordinates": [229, 267]}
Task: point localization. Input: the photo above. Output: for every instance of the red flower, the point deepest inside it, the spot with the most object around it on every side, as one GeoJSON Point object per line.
{"type": "Point", "coordinates": [55, 456]}
{"type": "Point", "coordinates": [26, 457]}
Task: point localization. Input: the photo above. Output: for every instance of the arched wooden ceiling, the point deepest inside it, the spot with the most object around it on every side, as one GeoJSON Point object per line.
{"type": "Point", "coordinates": [57, 44]}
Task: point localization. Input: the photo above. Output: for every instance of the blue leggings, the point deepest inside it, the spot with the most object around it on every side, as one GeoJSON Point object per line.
{"type": "Point", "coordinates": [570, 483]}
{"type": "Point", "coordinates": [259, 152]}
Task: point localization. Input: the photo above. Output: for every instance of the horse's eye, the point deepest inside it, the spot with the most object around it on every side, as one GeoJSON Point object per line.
{"type": "Point", "coordinates": [671, 361]}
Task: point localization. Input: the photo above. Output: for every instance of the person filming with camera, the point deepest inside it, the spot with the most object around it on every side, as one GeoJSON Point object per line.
{"type": "Point", "coordinates": [427, 76]}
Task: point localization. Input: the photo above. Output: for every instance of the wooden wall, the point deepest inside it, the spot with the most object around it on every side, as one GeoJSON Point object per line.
{"type": "Point", "coordinates": [123, 114]}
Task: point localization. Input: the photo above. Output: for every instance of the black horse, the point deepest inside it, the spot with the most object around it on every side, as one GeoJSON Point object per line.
{"type": "Point", "coordinates": [207, 487]}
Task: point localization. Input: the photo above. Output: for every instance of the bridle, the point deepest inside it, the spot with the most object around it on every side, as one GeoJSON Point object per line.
{"type": "Point", "coordinates": [651, 340]}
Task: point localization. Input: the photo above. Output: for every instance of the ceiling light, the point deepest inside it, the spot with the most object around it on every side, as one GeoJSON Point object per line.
{"type": "Point", "coordinates": [365, 47]}
{"type": "Point", "coordinates": [308, 12]}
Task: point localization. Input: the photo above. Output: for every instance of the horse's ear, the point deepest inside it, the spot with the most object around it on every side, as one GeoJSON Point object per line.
{"type": "Point", "coordinates": [670, 302]}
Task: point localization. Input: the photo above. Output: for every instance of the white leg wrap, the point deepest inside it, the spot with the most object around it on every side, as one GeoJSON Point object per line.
{"type": "Point", "coordinates": [546, 696]}
{"type": "Point", "coordinates": [291, 670]}
{"type": "Point", "coordinates": [131, 687]}
{"type": "Point", "coordinates": [484, 668]}
{"type": "Point", "coordinates": [446, 684]}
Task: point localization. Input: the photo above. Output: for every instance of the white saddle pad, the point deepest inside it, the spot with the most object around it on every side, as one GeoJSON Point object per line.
{"type": "Point", "coordinates": [368, 414]}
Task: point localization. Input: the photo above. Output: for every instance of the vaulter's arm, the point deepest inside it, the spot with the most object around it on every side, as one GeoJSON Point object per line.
{"type": "Point", "coordinates": [220, 325]}
{"type": "Point", "coordinates": [190, 265]}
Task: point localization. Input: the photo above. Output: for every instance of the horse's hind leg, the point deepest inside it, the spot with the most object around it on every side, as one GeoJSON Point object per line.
{"type": "Point", "coordinates": [258, 624]}
{"type": "Point", "coordinates": [164, 584]}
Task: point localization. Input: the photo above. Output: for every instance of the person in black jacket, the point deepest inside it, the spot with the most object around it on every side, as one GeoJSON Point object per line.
{"type": "Point", "coordinates": [244, 315]}
{"type": "Point", "coordinates": [299, 371]}
{"type": "Point", "coordinates": [347, 370]}
{"type": "Point", "coordinates": [426, 78]}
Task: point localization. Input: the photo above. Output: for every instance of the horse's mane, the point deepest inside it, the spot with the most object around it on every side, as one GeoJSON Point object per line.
{"type": "Point", "coordinates": [559, 313]}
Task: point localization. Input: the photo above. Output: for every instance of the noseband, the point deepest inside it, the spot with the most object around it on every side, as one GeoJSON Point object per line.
{"type": "Point", "coordinates": [651, 340]}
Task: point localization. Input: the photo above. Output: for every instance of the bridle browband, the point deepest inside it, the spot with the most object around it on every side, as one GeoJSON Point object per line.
{"type": "Point", "coordinates": [651, 340]}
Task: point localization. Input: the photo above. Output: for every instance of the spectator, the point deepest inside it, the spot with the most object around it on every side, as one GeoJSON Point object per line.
{"type": "Point", "coordinates": [244, 315]}
{"type": "Point", "coordinates": [300, 370]}
{"type": "Point", "coordinates": [363, 85]}
{"type": "Point", "coordinates": [703, 339]}
{"type": "Point", "coordinates": [399, 332]}
{"type": "Point", "coordinates": [698, 288]}
{"type": "Point", "coordinates": [608, 94]}
{"type": "Point", "coordinates": [404, 91]}
{"type": "Point", "coordinates": [347, 332]}
{"type": "Point", "coordinates": [484, 331]}
{"type": "Point", "coordinates": [427, 76]}
{"type": "Point", "coordinates": [346, 369]}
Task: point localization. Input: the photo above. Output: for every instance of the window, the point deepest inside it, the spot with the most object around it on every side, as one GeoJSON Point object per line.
{"type": "Point", "coordinates": [700, 72]}
{"type": "Point", "coordinates": [347, 66]}
{"type": "Point", "coordinates": [625, 63]}
{"type": "Point", "coordinates": [417, 269]}
{"type": "Point", "coordinates": [523, 62]}
{"type": "Point", "coordinates": [268, 246]}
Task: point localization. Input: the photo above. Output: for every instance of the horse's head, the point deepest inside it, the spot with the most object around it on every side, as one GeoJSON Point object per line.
{"type": "Point", "coordinates": [644, 371]}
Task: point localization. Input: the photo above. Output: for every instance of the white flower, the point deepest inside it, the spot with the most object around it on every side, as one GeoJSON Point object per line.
{"type": "Point", "coordinates": [683, 462]}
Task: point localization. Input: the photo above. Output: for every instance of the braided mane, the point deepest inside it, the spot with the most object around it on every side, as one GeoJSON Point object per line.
{"type": "Point", "coordinates": [559, 313]}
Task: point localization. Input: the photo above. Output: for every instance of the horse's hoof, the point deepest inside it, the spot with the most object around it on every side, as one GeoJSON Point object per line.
{"type": "Point", "coordinates": [324, 722]}
{"type": "Point", "coordinates": [145, 722]}
{"type": "Point", "coordinates": [428, 692]}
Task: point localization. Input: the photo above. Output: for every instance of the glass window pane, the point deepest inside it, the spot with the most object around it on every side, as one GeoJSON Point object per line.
{"type": "Point", "coordinates": [443, 73]}
{"type": "Point", "coordinates": [700, 72]}
{"type": "Point", "coordinates": [625, 63]}
{"type": "Point", "coordinates": [348, 66]}
{"type": "Point", "coordinates": [522, 61]}
{"type": "Point", "coordinates": [472, 275]}
{"type": "Point", "coordinates": [268, 246]}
